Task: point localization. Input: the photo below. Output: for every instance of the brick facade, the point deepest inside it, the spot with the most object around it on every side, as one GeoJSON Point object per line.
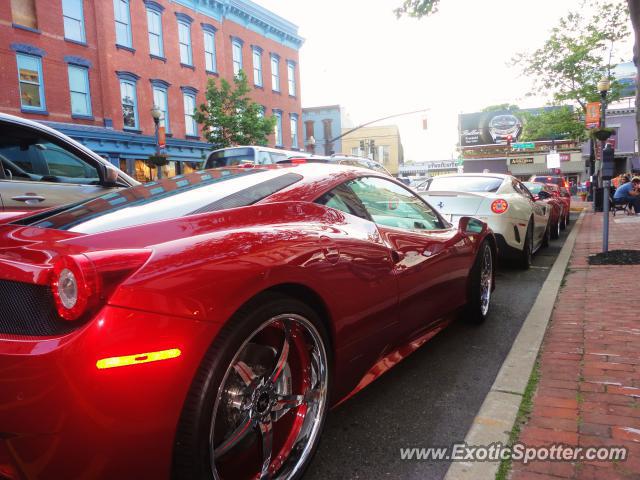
{"type": "Point", "coordinates": [240, 18]}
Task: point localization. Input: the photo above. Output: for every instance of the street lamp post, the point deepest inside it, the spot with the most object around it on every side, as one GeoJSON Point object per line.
{"type": "Point", "coordinates": [156, 114]}
{"type": "Point", "coordinates": [603, 88]}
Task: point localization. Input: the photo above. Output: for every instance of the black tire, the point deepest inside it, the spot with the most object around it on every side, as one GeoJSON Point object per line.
{"type": "Point", "coordinates": [524, 262]}
{"type": "Point", "coordinates": [477, 313]}
{"type": "Point", "coordinates": [546, 239]}
{"type": "Point", "coordinates": [192, 454]}
{"type": "Point", "coordinates": [555, 229]}
{"type": "Point", "coordinates": [566, 218]}
{"type": "Point", "coordinates": [563, 222]}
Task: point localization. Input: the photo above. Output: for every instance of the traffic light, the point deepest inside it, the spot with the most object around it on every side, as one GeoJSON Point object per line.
{"type": "Point", "coordinates": [509, 139]}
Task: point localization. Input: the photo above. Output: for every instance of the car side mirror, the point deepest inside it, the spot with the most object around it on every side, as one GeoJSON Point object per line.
{"type": "Point", "coordinates": [109, 176]}
{"type": "Point", "coordinates": [542, 195]}
{"type": "Point", "coordinates": [470, 225]}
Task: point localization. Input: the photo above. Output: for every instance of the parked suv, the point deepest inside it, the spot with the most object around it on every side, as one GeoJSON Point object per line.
{"type": "Point", "coordinates": [43, 168]}
{"type": "Point", "coordinates": [257, 155]}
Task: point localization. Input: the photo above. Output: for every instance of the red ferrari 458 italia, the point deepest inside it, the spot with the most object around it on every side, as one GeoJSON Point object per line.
{"type": "Point", "coordinates": [201, 326]}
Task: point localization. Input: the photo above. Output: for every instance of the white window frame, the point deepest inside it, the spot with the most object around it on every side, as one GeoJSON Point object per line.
{"type": "Point", "coordinates": [67, 16]}
{"type": "Point", "coordinates": [86, 93]}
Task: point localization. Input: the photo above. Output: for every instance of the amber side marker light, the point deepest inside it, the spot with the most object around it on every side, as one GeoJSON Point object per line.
{"type": "Point", "coordinates": [137, 359]}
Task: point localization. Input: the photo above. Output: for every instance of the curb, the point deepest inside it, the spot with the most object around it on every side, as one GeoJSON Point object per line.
{"type": "Point", "coordinates": [498, 412]}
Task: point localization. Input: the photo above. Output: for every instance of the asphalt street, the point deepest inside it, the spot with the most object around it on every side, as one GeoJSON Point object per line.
{"type": "Point", "coordinates": [431, 398]}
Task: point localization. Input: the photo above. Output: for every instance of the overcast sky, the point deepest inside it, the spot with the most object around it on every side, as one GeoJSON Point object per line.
{"type": "Point", "coordinates": [358, 55]}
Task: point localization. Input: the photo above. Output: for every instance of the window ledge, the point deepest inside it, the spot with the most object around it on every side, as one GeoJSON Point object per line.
{"type": "Point", "coordinates": [76, 42]}
{"type": "Point", "coordinates": [82, 117]}
{"type": "Point", "coordinates": [124, 47]}
{"type": "Point", "coordinates": [131, 130]}
{"type": "Point", "coordinates": [156, 57]}
{"type": "Point", "coordinates": [26, 29]}
{"type": "Point", "coordinates": [35, 112]}
{"type": "Point", "coordinates": [211, 72]}
{"type": "Point", "coordinates": [184, 65]}
{"type": "Point", "coordinates": [192, 137]}
{"type": "Point", "coordinates": [293, 96]}
{"type": "Point", "coordinates": [259, 87]}
{"type": "Point", "coordinates": [277, 92]}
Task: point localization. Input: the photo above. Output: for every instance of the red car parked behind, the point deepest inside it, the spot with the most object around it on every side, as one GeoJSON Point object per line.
{"type": "Point", "coordinates": [542, 192]}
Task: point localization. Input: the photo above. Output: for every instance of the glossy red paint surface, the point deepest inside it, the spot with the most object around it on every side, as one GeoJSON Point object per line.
{"type": "Point", "coordinates": [382, 291]}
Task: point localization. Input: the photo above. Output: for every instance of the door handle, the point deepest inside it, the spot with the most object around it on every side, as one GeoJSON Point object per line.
{"type": "Point", "coordinates": [397, 256]}
{"type": "Point", "coordinates": [28, 199]}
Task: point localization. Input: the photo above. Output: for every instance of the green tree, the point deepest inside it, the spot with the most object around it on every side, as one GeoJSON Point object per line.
{"type": "Point", "coordinates": [503, 107]}
{"type": "Point", "coordinates": [229, 117]}
{"type": "Point", "coordinates": [577, 54]}
{"type": "Point", "coordinates": [553, 123]}
{"type": "Point", "coordinates": [421, 8]}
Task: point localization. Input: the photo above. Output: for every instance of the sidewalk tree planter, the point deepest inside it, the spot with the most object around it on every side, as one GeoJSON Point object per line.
{"type": "Point", "coordinates": [158, 160]}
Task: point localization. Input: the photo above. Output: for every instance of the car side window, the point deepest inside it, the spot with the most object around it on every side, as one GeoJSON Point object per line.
{"type": "Point", "coordinates": [342, 198]}
{"type": "Point", "coordinates": [391, 205]}
{"type": "Point", "coordinates": [522, 190]}
{"type": "Point", "coordinates": [264, 158]}
{"type": "Point", "coordinates": [25, 155]}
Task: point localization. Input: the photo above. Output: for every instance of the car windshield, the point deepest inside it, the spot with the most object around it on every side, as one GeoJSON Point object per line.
{"type": "Point", "coordinates": [230, 157]}
{"type": "Point", "coordinates": [534, 188]}
{"type": "Point", "coordinates": [198, 192]}
{"type": "Point", "coordinates": [465, 184]}
{"type": "Point", "coordinates": [554, 180]}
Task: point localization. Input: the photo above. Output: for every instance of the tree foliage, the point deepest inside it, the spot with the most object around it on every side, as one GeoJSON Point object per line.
{"type": "Point", "coordinates": [229, 117]}
{"type": "Point", "coordinates": [579, 52]}
{"type": "Point", "coordinates": [553, 124]}
{"type": "Point", "coordinates": [503, 107]}
{"type": "Point", "coordinates": [417, 8]}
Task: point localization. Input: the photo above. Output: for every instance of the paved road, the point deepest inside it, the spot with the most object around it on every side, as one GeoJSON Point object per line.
{"type": "Point", "coordinates": [431, 398]}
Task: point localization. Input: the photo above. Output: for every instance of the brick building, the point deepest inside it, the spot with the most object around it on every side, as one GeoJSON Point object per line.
{"type": "Point", "coordinates": [94, 69]}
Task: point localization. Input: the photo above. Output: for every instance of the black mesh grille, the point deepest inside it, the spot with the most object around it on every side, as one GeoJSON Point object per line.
{"type": "Point", "coordinates": [27, 309]}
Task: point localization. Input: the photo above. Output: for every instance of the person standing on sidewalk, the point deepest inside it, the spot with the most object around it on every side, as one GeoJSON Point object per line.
{"type": "Point", "coordinates": [628, 193]}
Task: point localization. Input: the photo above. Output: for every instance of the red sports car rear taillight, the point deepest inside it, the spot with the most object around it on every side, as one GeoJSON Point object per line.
{"type": "Point", "coordinates": [80, 283]}
{"type": "Point", "coordinates": [499, 206]}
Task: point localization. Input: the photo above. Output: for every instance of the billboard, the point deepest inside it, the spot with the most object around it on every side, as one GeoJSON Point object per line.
{"type": "Point", "coordinates": [488, 128]}
{"type": "Point", "coordinates": [626, 73]}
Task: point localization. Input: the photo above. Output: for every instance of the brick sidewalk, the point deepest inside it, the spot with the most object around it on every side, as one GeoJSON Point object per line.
{"type": "Point", "coordinates": [589, 388]}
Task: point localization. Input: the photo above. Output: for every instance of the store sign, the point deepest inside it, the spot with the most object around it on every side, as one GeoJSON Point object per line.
{"type": "Point", "coordinates": [553, 160]}
{"type": "Point", "coordinates": [565, 157]}
{"type": "Point", "coordinates": [521, 161]}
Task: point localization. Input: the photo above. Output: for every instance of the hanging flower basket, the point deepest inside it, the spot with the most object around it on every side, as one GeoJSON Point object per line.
{"type": "Point", "coordinates": [602, 134]}
{"type": "Point", "coordinates": [158, 160]}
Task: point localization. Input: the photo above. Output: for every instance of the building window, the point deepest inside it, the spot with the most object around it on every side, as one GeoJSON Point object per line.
{"type": "Point", "coordinates": [73, 20]}
{"type": "Point", "coordinates": [189, 101]}
{"type": "Point", "coordinates": [30, 79]}
{"type": "Point", "coordinates": [184, 39]}
{"type": "Point", "coordinates": [257, 66]}
{"type": "Point", "coordinates": [129, 101]}
{"type": "Point", "coordinates": [160, 100]}
{"type": "Point", "coordinates": [210, 49]}
{"type": "Point", "coordinates": [123, 23]}
{"type": "Point", "coordinates": [291, 77]}
{"type": "Point", "coordinates": [384, 155]}
{"type": "Point", "coordinates": [278, 128]}
{"type": "Point", "coordinates": [79, 88]}
{"type": "Point", "coordinates": [154, 25]}
{"type": "Point", "coordinates": [23, 13]}
{"type": "Point", "coordinates": [294, 131]}
{"type": "Point", "coordinates": [355, 151]}
{"type": "Point", "coordinates": [275, 72]}
{"type": "Point", "coordinates": [236, 47]}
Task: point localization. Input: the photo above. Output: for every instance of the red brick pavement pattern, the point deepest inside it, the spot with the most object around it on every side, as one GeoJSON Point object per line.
{"type": "Point", "coordinates": [589, 389]}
